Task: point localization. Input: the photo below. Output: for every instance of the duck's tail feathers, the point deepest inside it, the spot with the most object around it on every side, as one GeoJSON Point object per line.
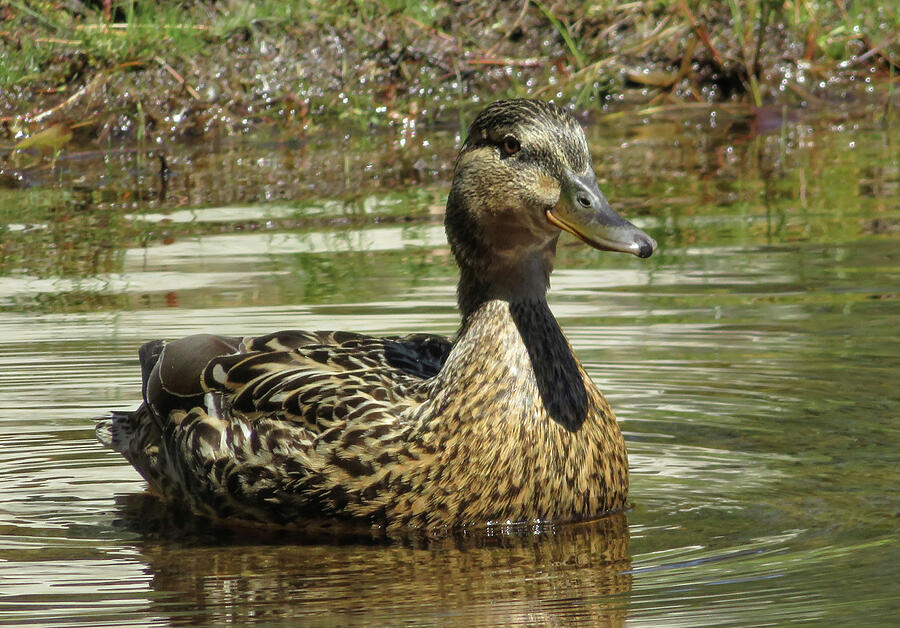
{"type": "Point", "coordinates": [117, 430]}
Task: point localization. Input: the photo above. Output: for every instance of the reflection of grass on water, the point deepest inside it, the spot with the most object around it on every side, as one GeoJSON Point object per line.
{"type": "Point", "coordinates": [689, 181]}
{"type": "Point", "coordinates": [77, 237]}
{"type": "Point", "coordinates": [80, 222]}
{"type": "Point", "coordinates": [51, 232]}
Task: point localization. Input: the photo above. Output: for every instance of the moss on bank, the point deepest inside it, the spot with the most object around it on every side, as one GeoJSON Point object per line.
{"type": "Point", "coordinates": [127, 68]}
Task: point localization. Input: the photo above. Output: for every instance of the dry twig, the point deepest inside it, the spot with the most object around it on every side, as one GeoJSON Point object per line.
{"type": "Point", "coordinates": [168, 68]}
{"type": "Point", "coordinates": [700, 30]}
{"type": "Point", "coordinates": [87, 87]}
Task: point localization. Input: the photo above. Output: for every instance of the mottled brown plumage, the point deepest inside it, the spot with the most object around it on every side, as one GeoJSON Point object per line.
{"type": "Point", "coordinates": [501, 424]}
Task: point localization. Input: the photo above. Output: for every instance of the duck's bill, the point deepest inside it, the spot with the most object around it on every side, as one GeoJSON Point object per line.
{"type": "Point", "coordinates": [583, 211]}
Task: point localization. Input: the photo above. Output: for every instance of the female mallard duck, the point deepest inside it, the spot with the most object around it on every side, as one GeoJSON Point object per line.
{"type": "Point", "coordinates": [500, 424]}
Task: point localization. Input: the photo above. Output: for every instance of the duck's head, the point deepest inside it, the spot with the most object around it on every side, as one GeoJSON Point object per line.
{"type": "Point", "coordinates": [523, 175]}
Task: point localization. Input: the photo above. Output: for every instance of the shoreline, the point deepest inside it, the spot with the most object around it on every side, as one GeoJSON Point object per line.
{"type": "Point", "coordinates": [196, 70]}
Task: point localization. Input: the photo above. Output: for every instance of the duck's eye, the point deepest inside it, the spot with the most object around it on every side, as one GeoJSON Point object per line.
{"type": "Point", "coordinates": [511, 145]}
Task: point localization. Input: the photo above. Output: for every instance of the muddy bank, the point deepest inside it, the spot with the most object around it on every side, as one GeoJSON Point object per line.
{"type": "Point", "coordinates": [116, 72]}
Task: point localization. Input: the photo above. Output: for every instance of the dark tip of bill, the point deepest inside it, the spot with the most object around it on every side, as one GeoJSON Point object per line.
{"type": "Point", "coordinates": [646, 247]}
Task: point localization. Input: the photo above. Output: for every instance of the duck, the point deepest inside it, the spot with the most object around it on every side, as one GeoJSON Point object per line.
{"type": "Point", "coordinates": [499, 424]}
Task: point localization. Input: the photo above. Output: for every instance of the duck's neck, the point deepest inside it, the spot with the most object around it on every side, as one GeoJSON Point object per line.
{"type": "Point", "coordinates": [499, 257]}
{"type": "Point", "coordinates": [518, 348]}
{"type": "Point", "coordinates": [510, 275]}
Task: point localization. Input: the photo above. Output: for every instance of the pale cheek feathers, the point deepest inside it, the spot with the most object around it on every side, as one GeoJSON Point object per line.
{"type": "Point", "coordinates": [497, 185]}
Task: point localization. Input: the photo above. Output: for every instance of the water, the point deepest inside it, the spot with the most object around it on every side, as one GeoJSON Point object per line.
{"type": "Point", "coordinates": [753, 362]}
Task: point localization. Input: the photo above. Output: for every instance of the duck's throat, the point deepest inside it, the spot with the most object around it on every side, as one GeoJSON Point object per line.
{"type": "Point", "coordinates": [514, 275]}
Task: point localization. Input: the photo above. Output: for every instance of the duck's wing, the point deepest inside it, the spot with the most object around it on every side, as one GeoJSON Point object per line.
{"type": "Point", "coordinates": [323, 386]}
{"type": "Point", "coordinates": [419, 355]}
{"type": "Point", "coordinates": [228, 421]}
{"type": "Point", "coordinates": [249, 371]}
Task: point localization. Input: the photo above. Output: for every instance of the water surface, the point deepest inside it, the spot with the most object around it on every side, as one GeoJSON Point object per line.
{"type": "Point", "coordinates": [753, 363]}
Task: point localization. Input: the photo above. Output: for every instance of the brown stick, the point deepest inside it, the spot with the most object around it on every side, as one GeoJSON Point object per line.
{"type": "Point", "coordinates": [701, 32]}
{"type": "Point", "coordinates": [524, 63]}
{"type": "Point", "coordinates": [177, 76]}
{"type": "Point", "coordinates": [54, 40]}
{"type": "Point", "coordinates": [125, 27]}
{"type": "Point", "coordinates": [86, 88]}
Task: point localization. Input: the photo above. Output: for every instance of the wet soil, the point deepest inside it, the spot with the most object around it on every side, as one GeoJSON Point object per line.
{"type": "Point", "coordinates": [332, 63]}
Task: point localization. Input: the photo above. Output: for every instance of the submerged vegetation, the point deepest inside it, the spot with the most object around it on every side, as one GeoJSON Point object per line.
{"type": "Point", "coordinates": [128, 68]}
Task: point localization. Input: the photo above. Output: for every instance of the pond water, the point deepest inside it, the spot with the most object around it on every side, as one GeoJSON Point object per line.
{"type": "Point", "coordinates": [754, 364]}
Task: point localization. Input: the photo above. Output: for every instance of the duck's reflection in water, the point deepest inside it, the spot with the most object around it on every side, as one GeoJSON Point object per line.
{"type": "Point", "coordinates": [499, 575]}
